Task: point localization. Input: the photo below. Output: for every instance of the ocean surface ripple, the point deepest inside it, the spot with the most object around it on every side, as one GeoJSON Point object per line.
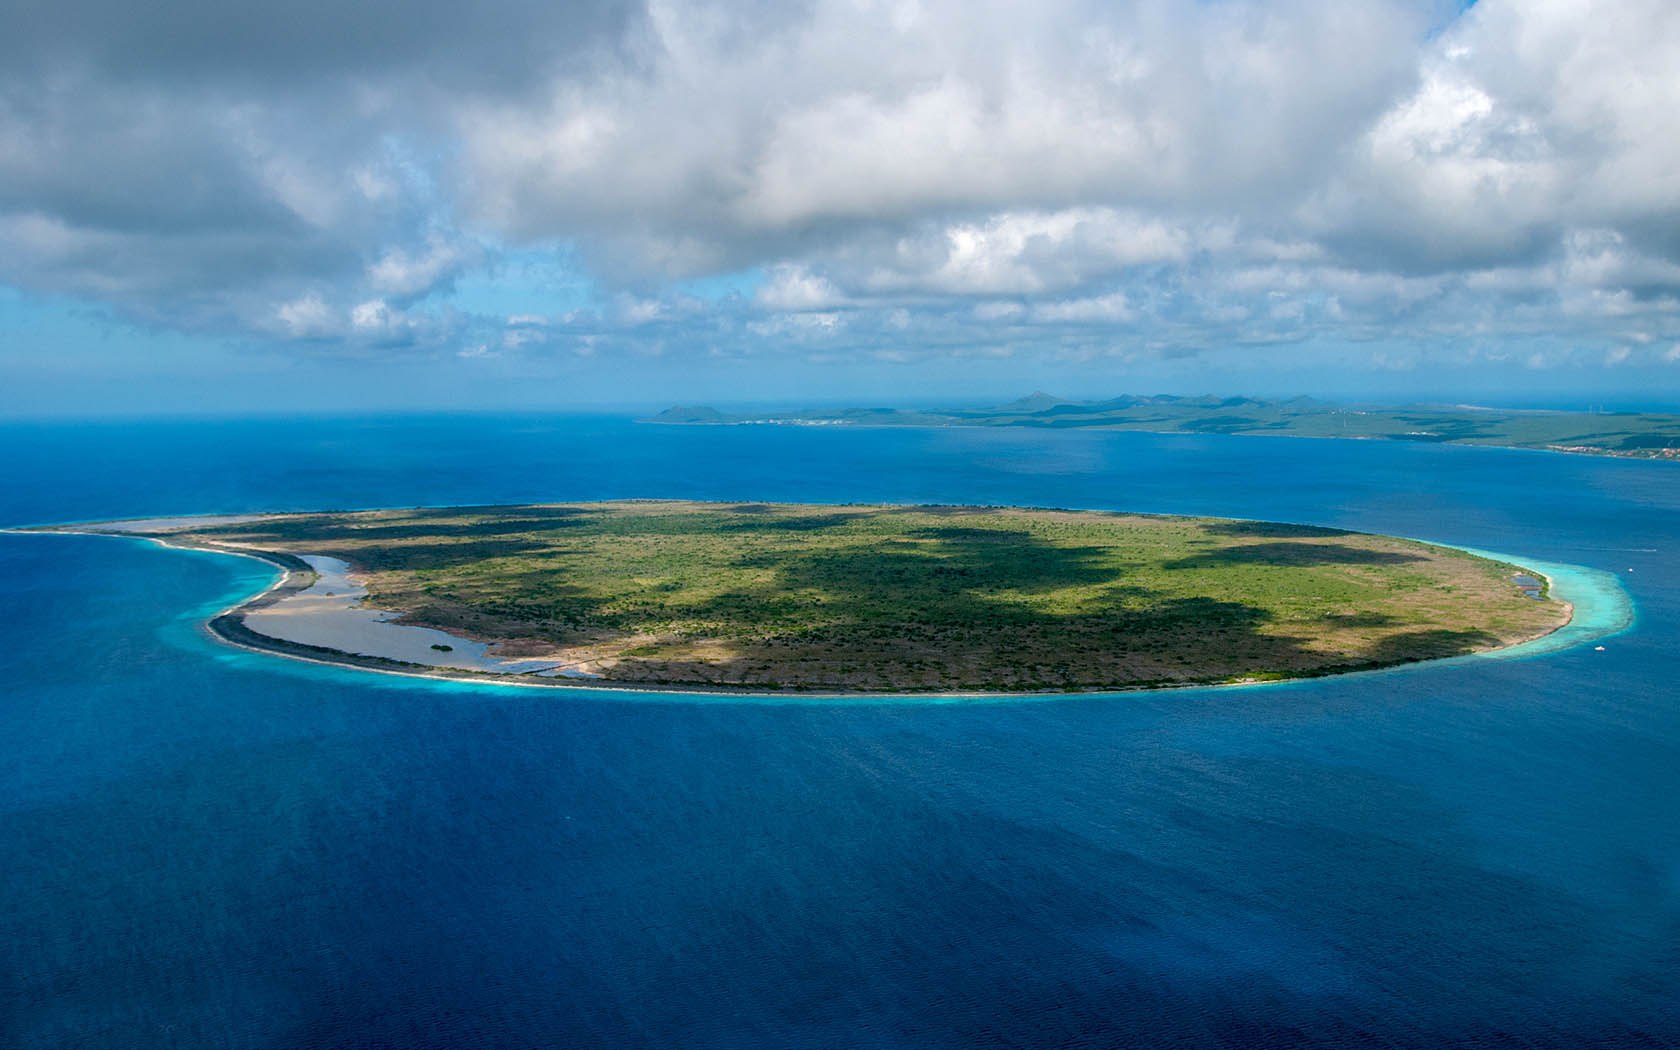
{"type": "Point", "coordinates": [206, 847]}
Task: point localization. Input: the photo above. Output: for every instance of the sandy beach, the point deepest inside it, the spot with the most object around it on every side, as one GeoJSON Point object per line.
{"type": "Point", "coordinates": [330, 614]}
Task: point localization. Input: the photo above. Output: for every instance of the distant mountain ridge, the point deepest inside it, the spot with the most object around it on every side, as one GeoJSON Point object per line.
{"type": "Point", "coordinates": [689, 414]}
{"type": "Point", "coordinates": [1037, 401]}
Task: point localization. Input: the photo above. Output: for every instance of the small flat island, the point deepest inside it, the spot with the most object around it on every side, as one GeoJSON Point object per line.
{"type": "Point", "coordinates": [856, 599]}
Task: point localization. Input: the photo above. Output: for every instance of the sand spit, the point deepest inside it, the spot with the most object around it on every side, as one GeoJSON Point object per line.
{"type": "Point", "coordinates": [151, 525]}
{"type": "Point", "coordinates": [330, 614]}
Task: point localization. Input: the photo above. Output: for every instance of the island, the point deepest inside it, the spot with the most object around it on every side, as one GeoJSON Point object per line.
{"type": "Point", "coordinates": [1638, 435]}
{"type": "Point", "coordinates": [758, 597]}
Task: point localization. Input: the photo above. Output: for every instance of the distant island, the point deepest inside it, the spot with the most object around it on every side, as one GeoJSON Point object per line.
{"type": "Point", "coordinates": [1643, 435]}
{"type": "Point", "coordinates": [854, 599]}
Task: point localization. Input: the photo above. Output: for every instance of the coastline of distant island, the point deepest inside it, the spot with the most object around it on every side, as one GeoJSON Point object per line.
{"type": "Point", "coordinates": [1630, 435]}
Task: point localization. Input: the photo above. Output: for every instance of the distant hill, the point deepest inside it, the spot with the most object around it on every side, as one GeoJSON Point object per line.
{"type": "Point", "coordinates": [1037, 401]}
{"type": "Point", "coordinates": [689, 414]}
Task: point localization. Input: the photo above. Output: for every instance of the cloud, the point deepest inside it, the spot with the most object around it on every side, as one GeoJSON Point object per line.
{"type": "Point", "coordinates": [795, 288]}
{"type": "Point", "coordinates": [306, 317]}
{"type": "Point", "coordinates": [1111, 308]}
{"type": "Point", "coordinates": [797, 325]}
{"type": "Point", "coordinates": [372, 323]}
{"type": "Point", "coordinates": [405, 272]}
{"type": "Point", "coordinates": [1019, 253]}
{"type": "Point", "coordinates": [1530, 121]}
{"type": "Point", "coordinates": [189, 211]}
{"type": "Point", "coordinates": [202, 167]}
{"type": "Point", "coordinates": [479, 48]}
{"type": "Point", "coordinates": [634, 311]}
{"type": "Point", "coordinates": [914, 178]}
{"type": "Point", "coordinates": [743, 141]}
{"type": "Point", "coordinates": [998, 311]}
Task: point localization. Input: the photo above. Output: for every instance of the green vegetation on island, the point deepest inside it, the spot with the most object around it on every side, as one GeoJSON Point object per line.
{"type": "Point", "coordinates": [1634, 434]}
{"type": "Point", "coordinates": [874, 598]}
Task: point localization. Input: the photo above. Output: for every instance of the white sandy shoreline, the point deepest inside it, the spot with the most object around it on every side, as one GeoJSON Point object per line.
{"type": "Point", "coordinates": [330, 614]}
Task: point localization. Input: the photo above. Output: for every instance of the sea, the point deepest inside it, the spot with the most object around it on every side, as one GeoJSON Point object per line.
{"type": "Point", "coordinates": [206, 847]}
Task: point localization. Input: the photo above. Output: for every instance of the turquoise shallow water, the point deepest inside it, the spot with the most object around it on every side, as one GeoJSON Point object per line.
{"type": "Point", "coordinates": [1602, 607]}
{"type": "Point", "coordinates": [207, 847]}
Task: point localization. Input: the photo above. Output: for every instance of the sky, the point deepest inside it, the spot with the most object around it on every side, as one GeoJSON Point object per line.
{"type": "Point", "coordinates": [420, 204]}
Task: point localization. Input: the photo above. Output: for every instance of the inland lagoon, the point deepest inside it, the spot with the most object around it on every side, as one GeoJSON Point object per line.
{"type": "Point", "coordinates": [207, 846]}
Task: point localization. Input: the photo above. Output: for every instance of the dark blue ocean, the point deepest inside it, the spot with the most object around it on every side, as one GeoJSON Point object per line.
{"type": "Point", "coordinates": [202, 847]}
